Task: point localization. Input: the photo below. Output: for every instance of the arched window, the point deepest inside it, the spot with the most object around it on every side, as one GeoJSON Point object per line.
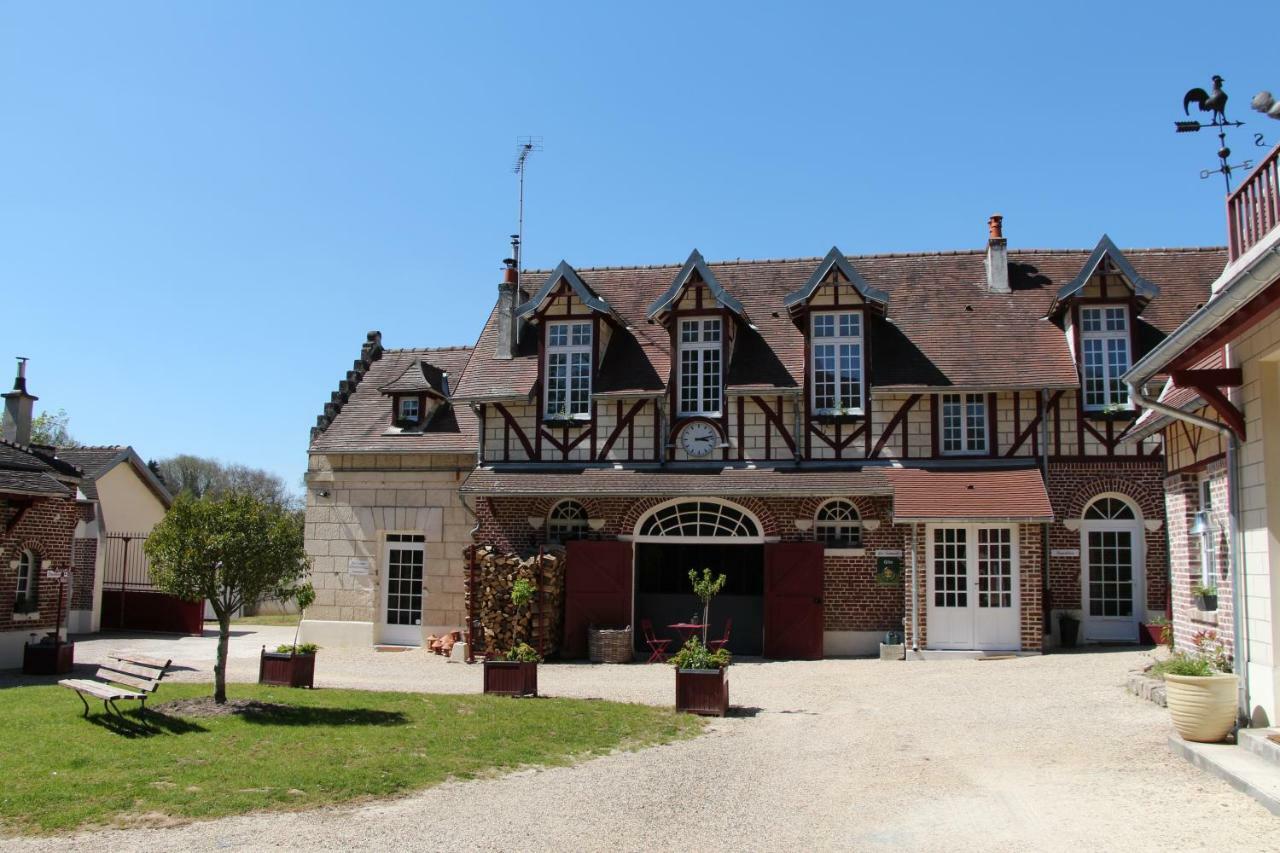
{"type": "Point", "coordinates": [701, 519]}
{"type": "Point", "coordinates": [838, 524]}
{"type": "Point", "coordinates": [567, 520]}
{"type": "Point", "coordinates": [24, 600]}
{"type": "Point", "coordinates": [1109, 509]}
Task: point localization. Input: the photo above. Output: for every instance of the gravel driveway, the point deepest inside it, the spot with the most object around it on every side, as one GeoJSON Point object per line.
{"type": "Point", "coordinates": [1040, 753]}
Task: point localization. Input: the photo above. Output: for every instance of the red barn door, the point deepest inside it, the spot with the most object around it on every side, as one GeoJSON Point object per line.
{"type": "Point", "coordinates": [597, 591]}
{"type": "Point", "coordinates": [793, 600]}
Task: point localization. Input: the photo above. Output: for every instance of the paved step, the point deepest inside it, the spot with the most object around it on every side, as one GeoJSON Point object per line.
{"type": "Point", "coordinates": [1240, 768]}
{"type": "Point", "coordinates": [1258, 741]}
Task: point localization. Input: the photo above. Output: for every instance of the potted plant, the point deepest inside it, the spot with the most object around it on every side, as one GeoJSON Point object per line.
{"type": "Point", "coordinates": [516, 672]}
{"type": "Point", "coordinates": [1201, 690]}
{"type": "Point", "coordinates": [702, 684]}
{"type": "Point", "coordinates": [1069, 628]}
{"type": "Point", "coordinates": [291, 664]}
{"type": "Point", "coordinates": [1206, 596]}
{"type": "Point", "coordinates": [1157, 632]}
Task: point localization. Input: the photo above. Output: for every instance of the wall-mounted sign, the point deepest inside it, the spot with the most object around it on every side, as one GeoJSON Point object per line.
{"type": "Point", "coordinates": [1064, 552]}
{"type": "Point", "coordinates": [889, 552]}
{"type": "Point", "coordinates": [888, 571]}
{"type": "Point", "coordinates": [357, 566]}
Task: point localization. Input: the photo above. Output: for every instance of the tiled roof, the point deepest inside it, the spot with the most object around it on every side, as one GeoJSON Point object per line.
{"type": "Point", "coordinates": [658, 482]}
{"type": "Point", "coordinates": [1182, 398]}
{"type": "Point", "coordinates": [26, 471]}
{"type": "Point", "coordinates": [97, 461]}
{"type": "Point", "coordinates": [418, 377]}
{"type": "Point", "coordinates": [944, 327]}
{"type": "Point", "coordinates": [363, 422]}
{"type": "Point", "coordinates": [969, 495]}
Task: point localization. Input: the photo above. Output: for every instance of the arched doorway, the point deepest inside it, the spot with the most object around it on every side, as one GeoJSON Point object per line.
{"type": "Point", "coordinates": [1112, 569]}
{"type": "Point", "coordinates": [701, 533]}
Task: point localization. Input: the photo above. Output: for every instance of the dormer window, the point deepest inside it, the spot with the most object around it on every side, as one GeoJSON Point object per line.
{"type": "Point", "coordinates": [964, 423]}
{"type": "Point", "coordinates": [409, 410]}
{"type": "Point", "coordinates": [1104, 356]}
{"type": "Point", "coordinates": [699, 346]}
{"type": "Point", "coordinates": [568, 370]}
{"type": "Point", "coordinates": [836, 356]}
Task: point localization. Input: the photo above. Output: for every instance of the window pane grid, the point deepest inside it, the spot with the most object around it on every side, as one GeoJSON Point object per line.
{"type": "Point", "coordinates": [964, 423]}
{"type": "Point", "coordinates": [950, 567]}
{"type": "Point", "coordinates": [568, 370]}
{"type": "Point", "coordinates": [836, 359]}
{"type": "Point", "coordinates": [838, 525]}
{"type": "Point", "coordinates": [995, 567]}
{"type": "Point", "coordinates": [1110, 573]}
{"type": "Point", "coordinates": [1104, 356]}
{"type": "Point", "coordinates": [701, 519]}
{"type": "Point", "coordinates": [700, 367]}
{"type": "Point", "coordinates": [404, 585]}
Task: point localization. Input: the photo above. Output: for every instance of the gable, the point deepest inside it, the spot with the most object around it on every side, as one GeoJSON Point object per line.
{"type": "Point", "coordinates": [836, 282]}
{"type": "Point", "coordinates": [564, 282]}
{"type": "Point", "coordinates": [695, 272]}
{"type": "Point", "coordinates": [1105, 262]}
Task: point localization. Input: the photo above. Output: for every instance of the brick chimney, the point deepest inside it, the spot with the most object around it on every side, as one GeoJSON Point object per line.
{"type": "Point", "coordinates": [997, 256]}
{"type": "Point", "coordinates": [18, 405]}
{"type": "Point", "coordinates": [508, 301]}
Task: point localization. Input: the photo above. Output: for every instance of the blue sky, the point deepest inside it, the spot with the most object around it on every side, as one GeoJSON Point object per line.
{"type": "Point", "coordinates": [204, 207]}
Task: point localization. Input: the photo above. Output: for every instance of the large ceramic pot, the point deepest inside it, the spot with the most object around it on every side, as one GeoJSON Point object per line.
{"type": "Point", "coordinates": [1203, 707]}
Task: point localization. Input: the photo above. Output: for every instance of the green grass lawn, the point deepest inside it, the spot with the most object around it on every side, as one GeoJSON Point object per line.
{"type": "Point", "coordinates": [61, 771]}
{"type": "Point", "coordinates": [289, 619]}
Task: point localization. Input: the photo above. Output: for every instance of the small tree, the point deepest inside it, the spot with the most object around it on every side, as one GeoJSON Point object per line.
{"type": "Point", "coordinates": [231, 551]}
{"type": "Point", "coordinates": [706, 588]}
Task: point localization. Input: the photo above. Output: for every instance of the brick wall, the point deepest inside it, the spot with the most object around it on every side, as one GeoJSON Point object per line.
{"type": "Point", "coordinates": [1182, 502]}
{"type": "Point", "coordinates": [46, 529]}
{"type": "Point", "coordinates": [1072, 487]}
{"type": "Point", "coordinates": [83, 566]}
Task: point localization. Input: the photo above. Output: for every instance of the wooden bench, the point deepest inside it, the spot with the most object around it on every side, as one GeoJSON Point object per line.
{"type": "Point", "coordinates": [121, 677]}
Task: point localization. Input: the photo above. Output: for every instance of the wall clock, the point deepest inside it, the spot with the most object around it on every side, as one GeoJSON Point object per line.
{"type": "Point", "coordinates": [699, 438]}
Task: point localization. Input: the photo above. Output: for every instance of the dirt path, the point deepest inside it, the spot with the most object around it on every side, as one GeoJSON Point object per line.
{"type": "Point", "coordinates": [1044, 753]}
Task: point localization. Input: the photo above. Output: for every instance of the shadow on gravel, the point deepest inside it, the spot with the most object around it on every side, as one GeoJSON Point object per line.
{"type": "Point", "coordinates": [743, 711]}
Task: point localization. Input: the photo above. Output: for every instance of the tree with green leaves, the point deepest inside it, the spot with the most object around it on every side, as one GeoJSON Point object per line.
{"type": "Point", "coordinates": [706, 588]}
{"type": "Point", "coordinates": [231, 551]}
{"type": "Point", "coordinates": [52, 428]}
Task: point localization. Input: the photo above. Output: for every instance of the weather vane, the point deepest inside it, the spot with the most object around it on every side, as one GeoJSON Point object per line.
{"type": "Point", "coordinates": [1215, 102]}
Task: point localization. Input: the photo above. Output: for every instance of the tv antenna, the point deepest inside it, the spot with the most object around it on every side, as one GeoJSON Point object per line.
{"type": "Point", "coordinates": [525, 146]}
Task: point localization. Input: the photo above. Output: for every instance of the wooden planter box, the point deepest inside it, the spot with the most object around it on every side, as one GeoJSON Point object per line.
{"type": "Point", "coordinates": [287, 670]}
{"type": "Point", "coordinates": [510, 678]}
{"type": "Point", "coordinates": [702, 691]}
{"type": "Point", "coordinates": [47, 658]}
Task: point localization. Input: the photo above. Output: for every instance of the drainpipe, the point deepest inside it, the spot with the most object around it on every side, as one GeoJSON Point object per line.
{"type": "Point", "coordinates": [915, 593]}
{"type": "Point", "coordinates": [1235, 567]}
{"type": "Point", "coordinates": [1046, 594]}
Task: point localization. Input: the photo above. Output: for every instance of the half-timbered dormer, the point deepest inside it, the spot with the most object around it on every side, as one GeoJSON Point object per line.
{"type": "Point", "coordinates": [1099, 310]}
{"type": "Point", "coordinates": [574, 325]}
{"type": "Point", "coordinates": [702, 320]}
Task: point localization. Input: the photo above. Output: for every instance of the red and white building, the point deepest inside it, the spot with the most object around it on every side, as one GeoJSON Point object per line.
{"type": "Point", "coordinates": [925, 443]}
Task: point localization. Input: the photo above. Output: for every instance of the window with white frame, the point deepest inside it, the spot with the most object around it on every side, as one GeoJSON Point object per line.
{"type": "Point", "coordinates": [699, 346]}
{"type": "Point", "coordinates": [836, 354]}
{"type": "Point", "coordinates": [838, 525]}
{"type": "Point", "coordinates": [567, 520]}
{"type": "Point", "coordinates": [964, 423]}
{"type": "Point", "coordinates": [1104, 356]}
{"type": "Point", "coordinates": [568, 370]}
{"type": "Point", "coordinates": [24, 600]}
{"type": "Point", "coordinates": [409, 409]}
{"type": "Point", "coordinates": [1209, 538]}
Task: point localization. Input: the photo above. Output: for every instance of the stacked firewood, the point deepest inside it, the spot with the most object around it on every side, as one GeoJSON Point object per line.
{"type": "Point", "coordinates": [489, 599]}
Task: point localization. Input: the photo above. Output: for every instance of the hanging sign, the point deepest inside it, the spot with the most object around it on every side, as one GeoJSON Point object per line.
{"type": "Point", "coordinates": [889, 552]}
{"type": "Point", "coordinates": [1064, 552]}
{"type": "Point", "coordinates": [888, 571]}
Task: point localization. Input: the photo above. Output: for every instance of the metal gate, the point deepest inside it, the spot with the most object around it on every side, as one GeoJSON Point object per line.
{"type": "Point", "coordinates": [130, 602]}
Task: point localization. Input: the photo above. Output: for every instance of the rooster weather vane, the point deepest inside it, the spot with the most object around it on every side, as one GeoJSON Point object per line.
{"type": "Point", "coordinates": [1215, 102]}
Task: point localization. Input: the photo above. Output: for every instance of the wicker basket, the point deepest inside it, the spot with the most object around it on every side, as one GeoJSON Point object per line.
{"type": "Point", "coordinates": [609, 645]}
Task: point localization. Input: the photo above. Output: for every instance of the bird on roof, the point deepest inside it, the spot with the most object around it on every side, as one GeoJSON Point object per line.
{"type": "Point", "coordinates": [1214, 102]}
{"type": "Point", "coordinates": [1263, 102]}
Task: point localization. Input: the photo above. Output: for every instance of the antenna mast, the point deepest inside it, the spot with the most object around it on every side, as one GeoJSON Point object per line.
{"type": "Point", "coordinates": [525, 145]}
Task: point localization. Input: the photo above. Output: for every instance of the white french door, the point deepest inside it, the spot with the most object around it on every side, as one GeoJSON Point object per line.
{"type": "Point", "coordinates": [973, 587]}
{"type": "Point", "coordinates": [402, 589]}
{"type": "Point", "coordinates": [1112, 583]}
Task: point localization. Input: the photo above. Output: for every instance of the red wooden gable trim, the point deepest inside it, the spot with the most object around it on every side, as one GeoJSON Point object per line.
{"type": "Point", "coordinates": [897, 420]}
{"type": "Point", "coordinates": [1207, 384]}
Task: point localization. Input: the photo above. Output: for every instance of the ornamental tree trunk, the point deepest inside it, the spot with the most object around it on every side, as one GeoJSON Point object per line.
{"type": "Point", "coordinates": [706, 617]}
{"type": "Point", "coordinates": [220, 666]}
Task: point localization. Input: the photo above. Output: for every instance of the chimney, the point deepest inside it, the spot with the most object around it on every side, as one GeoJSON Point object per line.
{"type": "Point", "coordinates": [508, 301]}
{"type": "Point", "coordinates": [997, 256]}
{"type": "Point", "coordinates": [17, 409]}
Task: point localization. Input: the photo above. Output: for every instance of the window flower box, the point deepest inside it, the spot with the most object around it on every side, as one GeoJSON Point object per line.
{"type": "Point", "coordinates": [510, 678]}
{"type": "Point", "coordinates": [703, 691]}
{"type": "Point", "coordinates": [287, 669]}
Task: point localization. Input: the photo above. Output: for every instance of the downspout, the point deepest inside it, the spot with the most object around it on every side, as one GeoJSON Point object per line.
{"type": "Point", "coordinates": [1238, 598]}
{"type": "Point", "coordinates": [1046, 594]}
{"type": "Point", "coordinates": [915, 593]}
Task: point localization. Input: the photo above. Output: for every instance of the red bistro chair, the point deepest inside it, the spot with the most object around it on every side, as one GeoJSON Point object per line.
{"type": "Point", "coordinates": [657, 647]}
{"type": "Point", "coordinates": [717, 645]}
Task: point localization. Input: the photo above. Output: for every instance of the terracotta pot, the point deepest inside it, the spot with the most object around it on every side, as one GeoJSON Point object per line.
{"type": "Point", "coordinates": [1203, 707]}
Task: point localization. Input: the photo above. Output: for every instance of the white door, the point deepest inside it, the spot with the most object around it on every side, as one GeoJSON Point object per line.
{"type": "Point", "coordinates": [1110, 554]}
{"type": "Point", "coordinates": [973, 588]}
{"type": "Point", "coordinates": [402, 589]}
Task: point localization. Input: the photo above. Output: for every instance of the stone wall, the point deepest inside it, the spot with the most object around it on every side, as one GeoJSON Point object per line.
{"type": "Point", "coordinates": [370, 495]}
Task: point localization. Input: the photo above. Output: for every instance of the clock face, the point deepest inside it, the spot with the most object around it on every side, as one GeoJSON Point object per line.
{"type": "Point", "coordinates": [698, 439]}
